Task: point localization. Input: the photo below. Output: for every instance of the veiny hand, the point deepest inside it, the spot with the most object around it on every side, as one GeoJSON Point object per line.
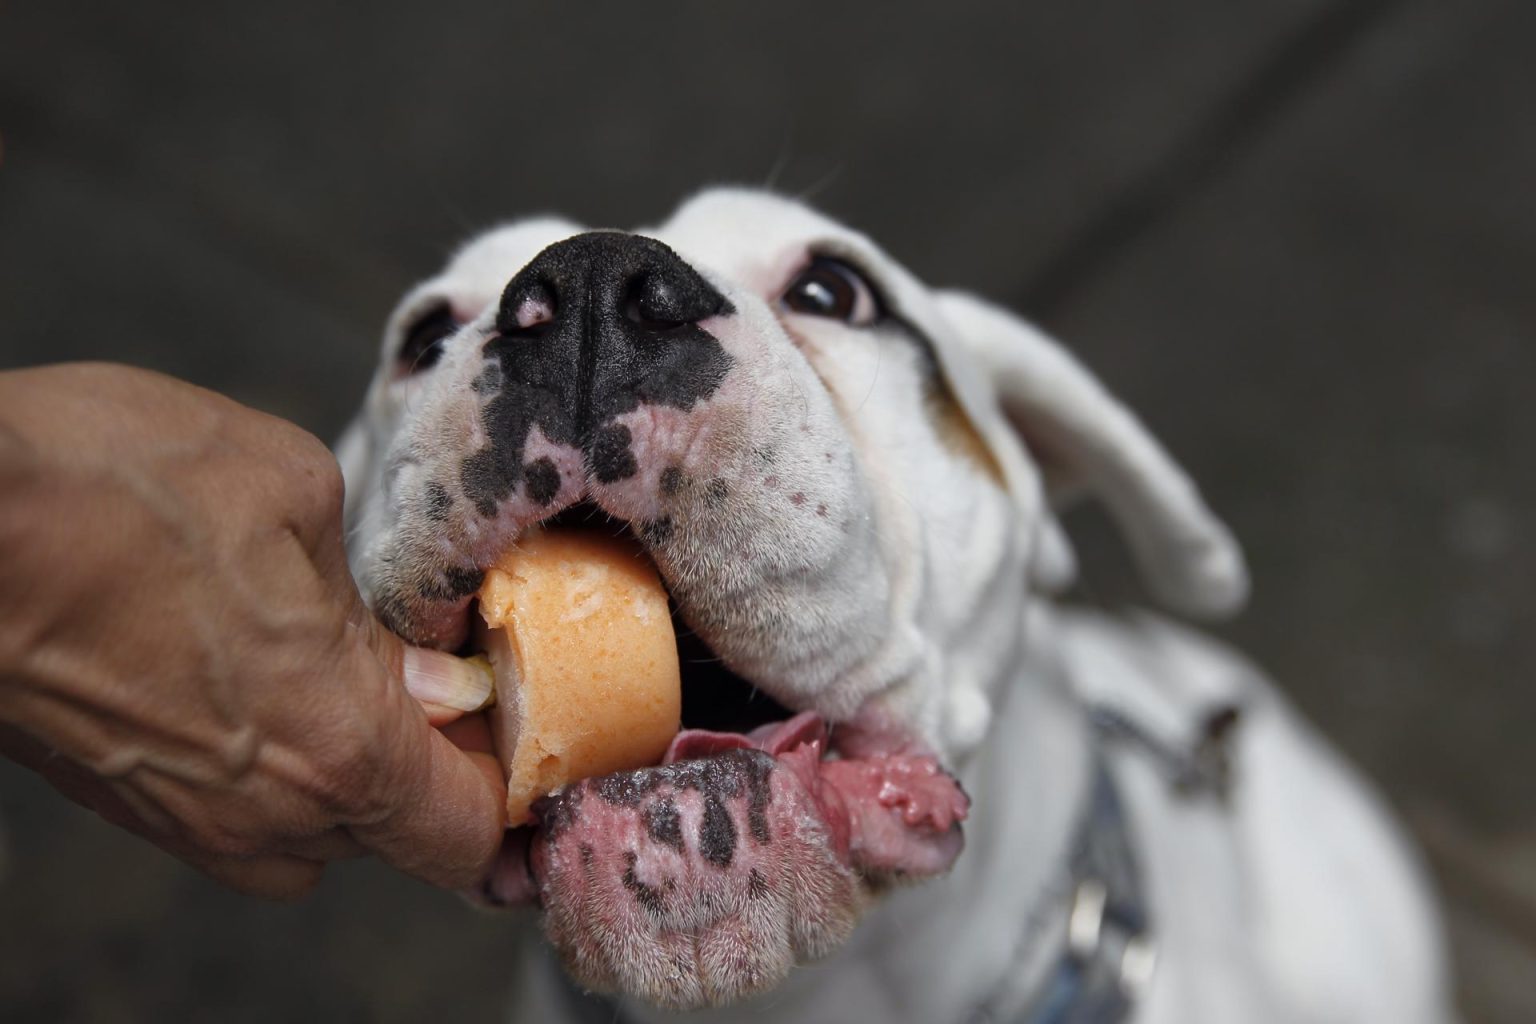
{"type": "Point", "coordinates": [183, 650]}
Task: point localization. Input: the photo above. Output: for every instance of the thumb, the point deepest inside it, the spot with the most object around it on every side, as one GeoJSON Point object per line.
{"type": "Point", "coordinates": [448, 818]}
{"type": "Point", "coordinates": [446, 686]}
{"type": "Point", "coordinates": [447, 806]}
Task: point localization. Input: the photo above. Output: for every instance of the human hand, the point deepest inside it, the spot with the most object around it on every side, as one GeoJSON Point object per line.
{"type": "Point", "coordinates": [183, 650]}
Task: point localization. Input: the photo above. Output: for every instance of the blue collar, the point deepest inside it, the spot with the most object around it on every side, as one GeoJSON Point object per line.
{"type": "Point", "coordinates": [1109, 954]}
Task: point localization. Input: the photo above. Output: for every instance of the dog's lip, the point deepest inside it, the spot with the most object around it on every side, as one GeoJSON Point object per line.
{"type": "Point", "coordinates": [893, 811]}
{"type": "Point", "coordinates": [804, 729]}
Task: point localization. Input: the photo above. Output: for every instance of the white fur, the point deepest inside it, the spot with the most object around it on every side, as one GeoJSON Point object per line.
{"type": "Point", "coordinates": [1294, 901]}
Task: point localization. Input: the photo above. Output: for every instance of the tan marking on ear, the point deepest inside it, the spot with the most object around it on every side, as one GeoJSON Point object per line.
{"type": "Point", "coordinates": [956, 430]}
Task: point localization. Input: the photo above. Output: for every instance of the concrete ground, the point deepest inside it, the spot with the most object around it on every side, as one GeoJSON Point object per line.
{"type": "Point", "coordinates": [1298, 236]}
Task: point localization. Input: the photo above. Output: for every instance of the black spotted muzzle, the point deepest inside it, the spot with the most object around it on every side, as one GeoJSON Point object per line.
{"type": "Point", "coordinates": [592, 328]}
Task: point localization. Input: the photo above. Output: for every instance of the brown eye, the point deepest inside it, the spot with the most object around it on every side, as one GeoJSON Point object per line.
{"type": "Point", "coordinates": [833, 289]}
{"type": "Point", "coordinates": [423, 344]}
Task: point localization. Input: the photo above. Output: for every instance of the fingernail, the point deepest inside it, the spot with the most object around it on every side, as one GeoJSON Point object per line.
{"type": "Point", "coordinates": [433, 677]}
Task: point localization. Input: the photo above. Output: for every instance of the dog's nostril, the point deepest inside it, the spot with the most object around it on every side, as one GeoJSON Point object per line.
{"type": "Point", "coordinates": [654, 303]}
{"type": "Point", "coordinates": [662, 301]}
{"type": "Point", "coordinates": [530, 308]}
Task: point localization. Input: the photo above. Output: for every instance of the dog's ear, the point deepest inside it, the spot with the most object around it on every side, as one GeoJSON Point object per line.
{"type": "Point", "coordinates": [1087, 443]}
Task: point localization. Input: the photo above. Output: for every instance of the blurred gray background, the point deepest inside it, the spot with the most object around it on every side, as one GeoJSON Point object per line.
{"type": "Point", "coordinates": [1298, 236]}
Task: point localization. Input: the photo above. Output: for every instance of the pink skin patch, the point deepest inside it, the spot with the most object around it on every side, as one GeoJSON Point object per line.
{"type": "Point", "coordinates": [706, 878]}
{"type": "Point", "coordinates": [533, 311]}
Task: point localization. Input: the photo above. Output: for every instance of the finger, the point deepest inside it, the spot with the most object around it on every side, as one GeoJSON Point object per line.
{"type": "Point", "coordinates": [119, 803]}
{"type": "Point", "coordinates": [279, 875]}
{"type": "Point", "coordinates": [447, 825]}
{"type": "Point", "coordinates": [438, 715]}
{"type": "Point", "coordinates": [511, 880]}
{"type": "Point", "coordinates": [446, 686]}
{"type": "Point", "coordinates": [450, 805]}
{"type": "Point", "coordinates": [449, 685]}
{"type": "Point", "coordinates": [471, 734]}
{"type": "Point", "coordinates": [492, 771]}
{"type": "Point", "coordinates": [273, 877]}
{"type": "Point", "coordinates": [335, 844]}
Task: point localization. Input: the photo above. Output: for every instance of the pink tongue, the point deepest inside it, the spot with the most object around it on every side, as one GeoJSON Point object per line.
{"type": "Point", "coordinates": [774, 738]}
{"type": "Point", "coordinates": [887, 812]}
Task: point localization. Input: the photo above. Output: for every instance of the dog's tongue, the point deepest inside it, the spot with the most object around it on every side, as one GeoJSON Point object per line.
{"type": "Point", "coordinates": [886, 812]}
{"type": "Point", "coordinates": [773, 738]}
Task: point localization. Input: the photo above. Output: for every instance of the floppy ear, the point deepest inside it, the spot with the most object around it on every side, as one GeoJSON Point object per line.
{"type": "Point", "coordinates": [1087, 442]}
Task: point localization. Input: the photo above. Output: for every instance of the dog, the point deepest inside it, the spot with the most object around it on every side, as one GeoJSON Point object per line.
{"type": "Point", "coordinates": [911, 760]}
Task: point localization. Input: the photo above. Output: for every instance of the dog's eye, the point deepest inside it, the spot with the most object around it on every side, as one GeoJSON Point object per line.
{"type": "Point", "coordinates": [832, 288]}
{"type": "Point", "coordinates": [423, 344]}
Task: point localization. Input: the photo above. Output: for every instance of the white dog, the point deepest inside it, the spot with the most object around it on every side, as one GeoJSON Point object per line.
{"type": "Point", "coordinates": [849, 482]}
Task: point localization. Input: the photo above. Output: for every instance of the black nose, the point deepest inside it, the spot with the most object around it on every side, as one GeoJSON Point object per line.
{"type": "Point", "coordinates": [607, 275]}
{"type": "Point", "coordinates": [598, 325]}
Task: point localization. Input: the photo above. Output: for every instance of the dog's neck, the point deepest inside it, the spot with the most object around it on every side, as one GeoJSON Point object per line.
{"type": "Point", "coordinates": [1028, 784]}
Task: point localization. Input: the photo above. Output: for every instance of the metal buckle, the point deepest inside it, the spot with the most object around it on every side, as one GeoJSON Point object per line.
{"type": "Point", "coordinates": [1087, 941]}
{"type": "Point", "coordinates": [1138, 963]}
{"type": "Point", "coordinates": [1085, 924]}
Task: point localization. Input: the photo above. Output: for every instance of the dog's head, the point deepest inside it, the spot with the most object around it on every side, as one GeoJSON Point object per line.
{"type": "Point", "coordinates": [846, 479]}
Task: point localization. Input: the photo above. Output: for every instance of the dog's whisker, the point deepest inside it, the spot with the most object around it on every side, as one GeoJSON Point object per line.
{"type": "Point", "coordinates": [874, 377]}
{"type": "Point", "coordinates": [781, 161]}
{"type": "Point", "coordinates": [821, 184]}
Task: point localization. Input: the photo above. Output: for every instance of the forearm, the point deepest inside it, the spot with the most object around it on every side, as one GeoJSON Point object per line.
{"type": "Point", "coordinates": [22, 512]}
